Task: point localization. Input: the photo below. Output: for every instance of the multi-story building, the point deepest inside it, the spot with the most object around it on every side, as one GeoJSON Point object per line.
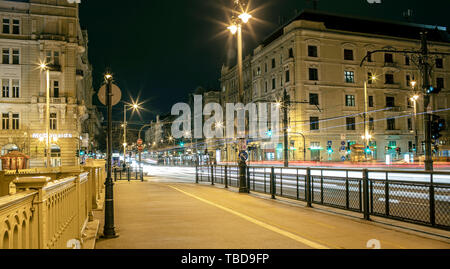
{"type": "Point", "coordinates": [316, 58]}
{"type": "Point", "coordinates": [33, 32]}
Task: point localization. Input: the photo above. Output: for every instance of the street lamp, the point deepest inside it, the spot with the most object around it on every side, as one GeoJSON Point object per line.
{"type": "Point", "coordinates": [240, 7]}
{"type": "Point", "coordinates": [43, 66]}
{"type": "Point", "coordinates": [414, 99]}
{"type": "Point", "coordinates": [134, 107]}
{"type": "Point", "coordinates": [366, 137]}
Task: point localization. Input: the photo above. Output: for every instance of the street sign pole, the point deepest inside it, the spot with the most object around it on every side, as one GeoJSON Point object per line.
{"type": "Point", "coordinates": [109, 230]}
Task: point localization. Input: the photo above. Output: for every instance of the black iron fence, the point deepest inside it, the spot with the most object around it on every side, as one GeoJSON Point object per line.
{"type": "Point", "coordinates": [128, 173]}
{"type": "Point", "coordinates": [410, 196]}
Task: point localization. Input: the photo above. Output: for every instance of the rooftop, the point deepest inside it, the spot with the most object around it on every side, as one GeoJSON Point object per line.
{"type": "Point", "coordinates": [366, 25]}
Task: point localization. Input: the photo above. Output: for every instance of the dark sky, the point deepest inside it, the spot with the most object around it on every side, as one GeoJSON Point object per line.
{"type": "Point", "coordinates": [162, 50]}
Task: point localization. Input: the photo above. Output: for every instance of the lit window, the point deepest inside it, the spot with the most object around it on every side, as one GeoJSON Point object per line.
{"type": "Point", "coordinates": [15, 122]}
{"type": "Point", "coordinates": [350, 100]}
{"type": "Point", "coordinates": [15, 88]}
{"type": "Point", "coordinates": [6, 26]}
{"type": "Point", "coordinates": [349, 76]}
{"type": "Point", "coordinates": [53, 121]}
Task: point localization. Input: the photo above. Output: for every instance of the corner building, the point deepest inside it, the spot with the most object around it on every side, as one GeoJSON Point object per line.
{"type": "Point", "coordinates": [37, 31]}
{"type": "Point", "coordinates": [316, 58]}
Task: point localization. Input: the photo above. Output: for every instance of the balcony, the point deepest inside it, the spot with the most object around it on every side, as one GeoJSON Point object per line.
{"type": "Point", "coordinates": [54, 68]}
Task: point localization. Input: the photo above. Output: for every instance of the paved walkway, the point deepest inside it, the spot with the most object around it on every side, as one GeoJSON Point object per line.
{"type": "Point", "coordinates": [162, 214]}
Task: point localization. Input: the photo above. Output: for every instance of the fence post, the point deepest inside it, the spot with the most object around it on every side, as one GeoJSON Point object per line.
{"type": "Point", "coordinates": [196, 174]}
{"type": "Point", "coordinates": [141, 170]}
{"type": "Point", "coordinates": [115, 174]}
{"type": "Point", "coordinates": [432, 203]}
{"type": "Point", "coordinates": [129, 173]}
{"type": "Point", "coordinates": [248, 179]}
{"type": "Point", "coordinates": [272, 183]}
{"type": "Point", "coordinates": [366, 194]}
{"type": "Point", "coordinates": [308, 187]}
{"type": "Point", "coordinates": [212, 174]}
{"type": "Point", "coordinates": [226, 176]}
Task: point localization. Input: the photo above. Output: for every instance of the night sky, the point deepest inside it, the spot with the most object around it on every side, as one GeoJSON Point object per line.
{"type": "Point", "coordinates": [163, 50]}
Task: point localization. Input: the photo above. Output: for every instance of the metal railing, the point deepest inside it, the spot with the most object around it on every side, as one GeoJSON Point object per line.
{"type": "Point", "coordinates": [409, 196]}
{"type": "Point", "coordinates": [128, 173]}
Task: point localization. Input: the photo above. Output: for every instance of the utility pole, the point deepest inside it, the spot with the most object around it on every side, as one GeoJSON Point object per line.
{"type": "Point", "coordinates": [425, 68]}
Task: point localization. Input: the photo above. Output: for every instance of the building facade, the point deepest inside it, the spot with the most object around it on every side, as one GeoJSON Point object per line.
{"type": "Point", "coordinates": [316, 59]}
{"type": "Point", "coordinates": [35, 32]}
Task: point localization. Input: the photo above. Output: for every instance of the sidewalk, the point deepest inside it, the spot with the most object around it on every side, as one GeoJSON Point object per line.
{"type": "Point", "coordinates": [167, 215]}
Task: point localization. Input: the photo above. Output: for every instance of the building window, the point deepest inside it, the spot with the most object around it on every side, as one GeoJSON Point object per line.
{"type": "Point", "coordinates": [439, 83]}
{"type": "Point", "coordinates": [391, 124]}
{"type": "Point", "coordinates": [314, 123]}
{"type": "Point", "coordinates": [265, 67]}
{"type": "Point", "coordinates": [53, 121]}
{"type": "Point", "coordinates": [291, 53]}
{"type": "Point", "coordinates": [348, 55]}
{"type": "Point", "coordinates": [313, 74]}
{"type": "Point", "coordinates": [314, 99]}
{"type": "Point", "coordinates": [350, 100]}
{"type": "Point", "coordinates": [389, 78]}
{"type": "Point", "coordinates": [410, 126]}
{"type": "Point", "coordinates": [56, 89]}
{"type": "Point", "coordinates": [5, 88]}
{"type": "Point", "coordinates": [6, 26]}
{"type": "Point", "coordinates": [390, 101]}
{"type": "Point", "coordinates": [15, 122]}
{"type": "Point", "coordinates": [409, 102]}
{"type": "Point", "coordinates": [48, 56]}
{"type": "Point", "coordinates": [274, 83]}
{"type": "Point", "coordinates": [439, 63]}
{"type": "Point", "coordinates": [312, 51]}
{"type": "Point", "coordinates": [407, 60]}
{"type": "Point", "coordinates": [351, 124]}
{"type": "Point", "coordinates": [5, 58]}
{"type": "Point", "coordinates": [56, 57]}
{"type": "Point", "coordinates": [273, 63]}
{"type": "Point", "coordinates": [16, 56]}
{"type": "Point", "coordinates": [388, 58]}
{"type": "Point", "coordinates": [15, 88]}
{"type": "Point", "coordinates": [371, 101]}
{"type": "Point", "coordinates": [349, 76]}
{"type": "Point", "coordinates": [371, 124]}
{"type": "Point", "coordinates": [5, 121]}
{"type": "Point", "coordinates": [408, 81]}
{"type": "Point", "coordinates": [288, 76]}
{"type": "Point", "coordinates": [258, 72]}
{"type": "Point", "coordinates": [16, 27]}
{"type": "Point", "coordinates": [266, 87]}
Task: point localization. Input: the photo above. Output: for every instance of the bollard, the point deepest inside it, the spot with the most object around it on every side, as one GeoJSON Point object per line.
{"type": "Point", "coordinates": [308, 187]}
{"type": "Point", "coordinates": [226, 177]}
{"type": "Point", "coordinates": [366, 194]}
{"type": "Point", "coordinates": [272, 183]}
{"type": "Point", "coordinates": [142, 173]}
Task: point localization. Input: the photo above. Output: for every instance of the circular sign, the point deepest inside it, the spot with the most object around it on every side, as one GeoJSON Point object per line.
{"type": "Point", "coordinates": [140, 141]}
{"type": "Point", "coordinates": [116, 94]}
{"type": "Point", "coordinates": [243, 155]}
{"type": "Point", "coordinates": [140, 148]}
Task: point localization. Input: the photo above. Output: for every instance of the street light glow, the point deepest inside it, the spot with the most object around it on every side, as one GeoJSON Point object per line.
{"type": "Point", "coordinates": [245, 17]}
{"type": "Point", "coordinates": [233, 29]}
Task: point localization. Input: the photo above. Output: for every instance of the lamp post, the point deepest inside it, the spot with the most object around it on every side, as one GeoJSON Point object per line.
{"type": "Point", "coordinates": [45, 68]}
{"type": "Point", "coordinates": [366, 135]}
{"type": "Point", "coordinates": [236, 28]}
{"type": "Point", "coordinates": [134, 107]}
{"type": "Point", "coordinates": [414, 99]}
{"type": "Point", "coordinates": [109, 229]}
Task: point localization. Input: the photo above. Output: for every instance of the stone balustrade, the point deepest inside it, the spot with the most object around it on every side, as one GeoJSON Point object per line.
{"type": "Point", "coordinates": [50, 211]}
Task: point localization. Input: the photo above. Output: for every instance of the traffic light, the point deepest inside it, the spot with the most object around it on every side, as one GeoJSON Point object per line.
{"type": "Point", "coordinates": [368, 150]}
{"type": "Point", "coordinates": [434, 90]}
{"type": "Point", "coordinates": [269, 133]}
{"type": "Point", "coordinates": [438, 125]}
{"type": "Point", "coordinates": [330, 150]}
{"type": "Point", "coordinates": [182, 144]}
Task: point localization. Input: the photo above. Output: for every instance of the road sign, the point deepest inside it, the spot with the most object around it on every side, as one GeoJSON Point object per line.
{"type": "Point", "coordinates": [139, 142]}
{"type": "Point", "coordinates": [243, 145]}
{"type": "Point", "coordinates": [343, 143]}
{"type": "Point", "coordinates": [140, 148]}
{"type": "Point", "coordinates": [343, 158]}
{"type": "Point", "coordinates": [343, 148]}
{"type": "Point", "coordinates": [243, 155]}
{"type": "Point", "coordinates": [116, 95]}
{"type": "Point", "coordinates": [330, 143]}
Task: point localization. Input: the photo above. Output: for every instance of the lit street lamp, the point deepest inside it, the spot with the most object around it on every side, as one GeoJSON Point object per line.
{"type": "Point", "coordinates": [414, 99]}
{"type": "Point", "coordinates": [236, 27]}
{"type": "Point", "coordinates": [44, 67]}
{"type": "Point", "coordinates": [134, 107]}
{"type": "Point", "coordinates": [366, 135]}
